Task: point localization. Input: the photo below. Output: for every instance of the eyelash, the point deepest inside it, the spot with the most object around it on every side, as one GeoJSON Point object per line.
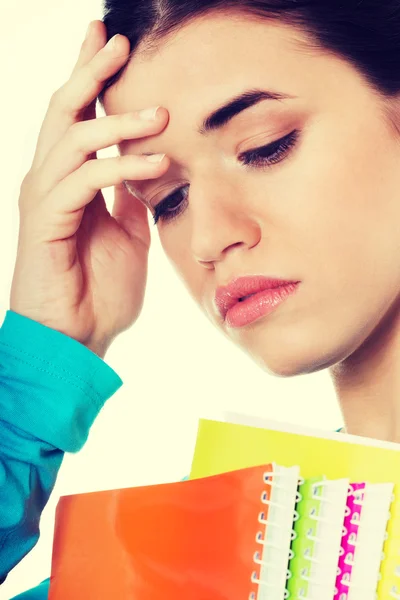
{"type": "Point", "coordinates": [275, 153]}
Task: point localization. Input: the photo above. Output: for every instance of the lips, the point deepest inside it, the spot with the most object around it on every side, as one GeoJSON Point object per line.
{"type": "Point", "coordinates": [227, 296]}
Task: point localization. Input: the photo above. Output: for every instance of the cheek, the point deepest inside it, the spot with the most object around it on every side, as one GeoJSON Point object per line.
{"type": "Point", "coordinates": [342, 230]}
{"type": "Point", "coordinates": [341, 205]}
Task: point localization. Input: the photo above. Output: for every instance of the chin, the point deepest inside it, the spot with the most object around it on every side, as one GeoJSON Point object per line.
{"type": "Point", "coordinates": [291, 359]}
{"type": "Point", "coordinates": [284, 368]}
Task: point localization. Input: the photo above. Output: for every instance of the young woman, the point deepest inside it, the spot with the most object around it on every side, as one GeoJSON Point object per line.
{"type": "Point", "coordinates": [271, 168]}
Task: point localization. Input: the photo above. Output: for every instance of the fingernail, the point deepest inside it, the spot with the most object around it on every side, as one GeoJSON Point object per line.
{"type": "Point", "coordinates": [89, 30]}
{"type": "Point", "coordinates": [148, 114]}
{"type": "Point", "coordinates": [111, 44]}
{"type": "Point", "coordinates": [155, 158]}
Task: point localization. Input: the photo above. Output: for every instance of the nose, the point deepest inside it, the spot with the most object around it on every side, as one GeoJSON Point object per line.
{"type": "Point", "coordinates": [221, 220]}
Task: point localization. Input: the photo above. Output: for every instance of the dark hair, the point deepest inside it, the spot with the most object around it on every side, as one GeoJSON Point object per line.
{"type": "Point", "coordinates": [366, 33]}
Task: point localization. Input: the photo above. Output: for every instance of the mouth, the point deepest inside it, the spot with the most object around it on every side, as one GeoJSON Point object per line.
{"type": "Point", "coordinates": [246, 299]}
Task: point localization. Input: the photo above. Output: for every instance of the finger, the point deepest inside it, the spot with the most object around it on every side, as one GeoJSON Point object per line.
{"type": "Point", "coordinates": [131, 214]}
{"type": "Point", "coordinates": [85, 137]}
{"type": "Point", "coordinates": [68, 102]}
{"type": "Point", "coordinates": [78, 189]}
{"type": "Point", "coordinates": [96, 38]}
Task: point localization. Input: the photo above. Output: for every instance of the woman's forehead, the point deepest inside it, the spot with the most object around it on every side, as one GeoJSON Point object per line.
{"type": "Point", "coordinates": [209, 55]}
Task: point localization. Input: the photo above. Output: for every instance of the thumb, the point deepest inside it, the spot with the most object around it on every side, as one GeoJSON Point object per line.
{"type": "Point", "coordinates": [131, 214]}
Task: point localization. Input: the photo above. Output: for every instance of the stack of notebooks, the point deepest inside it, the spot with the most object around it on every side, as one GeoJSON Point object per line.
{"type": "Point", "coordinates": [268, 513]}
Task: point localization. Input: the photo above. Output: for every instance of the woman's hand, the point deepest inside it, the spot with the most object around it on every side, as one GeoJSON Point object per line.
{"type": "Point", "coordinates": [80, 270]}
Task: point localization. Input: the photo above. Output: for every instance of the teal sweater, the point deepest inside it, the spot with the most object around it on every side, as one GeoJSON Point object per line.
{"type": "Point", "coordinates": [51, 390]}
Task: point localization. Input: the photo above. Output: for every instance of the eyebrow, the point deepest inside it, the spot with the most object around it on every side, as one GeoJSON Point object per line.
{"type": "Point", "coordinates": [225, 113]}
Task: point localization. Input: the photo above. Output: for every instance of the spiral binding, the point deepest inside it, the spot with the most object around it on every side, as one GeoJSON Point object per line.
{"type": "Point", "coordinates": [269, 479]}
{"type": "Point", "coordinates": [307, 554]}
{"type": "Point", "coordinates": [345, 576]}
{"type": "Point", "coordinates": [304, 574]}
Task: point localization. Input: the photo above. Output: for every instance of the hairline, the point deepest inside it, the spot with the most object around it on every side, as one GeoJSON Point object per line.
{"type": "Point", "coordinates": [157, 37]}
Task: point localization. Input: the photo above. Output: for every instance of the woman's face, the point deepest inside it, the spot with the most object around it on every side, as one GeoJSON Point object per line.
{"type": "Point", "coordinates": [322, 207]}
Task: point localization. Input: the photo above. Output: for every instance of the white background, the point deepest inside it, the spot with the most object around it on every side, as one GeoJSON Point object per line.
{"type": "Point", "coordinates": [175, 366]}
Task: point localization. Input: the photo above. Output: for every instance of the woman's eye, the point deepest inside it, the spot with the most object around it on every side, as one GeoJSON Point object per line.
{"type": "Point", "coordinates": [271, 153]}
{"type": "Point", "coordinates": [266, 156]}
{"type": "Point", "coordinates": [171, 206]}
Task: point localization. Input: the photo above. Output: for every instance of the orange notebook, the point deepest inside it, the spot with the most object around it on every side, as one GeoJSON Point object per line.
{"type": "Point", "coordinates": [192, 539]}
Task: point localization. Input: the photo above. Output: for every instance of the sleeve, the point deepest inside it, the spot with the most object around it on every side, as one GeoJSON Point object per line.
{"type": "Point", "coordinates": [51, 391]}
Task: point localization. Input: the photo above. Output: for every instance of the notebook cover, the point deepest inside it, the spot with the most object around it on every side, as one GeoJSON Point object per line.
{"type": "Point", "coordinates": [194, 540]}
{"type": "Point", "coordinates": [303, 545]}
{"type": "Point", "coordinates": [389, 585]}
{"type": "Point", "coordinates": [222, 447]}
